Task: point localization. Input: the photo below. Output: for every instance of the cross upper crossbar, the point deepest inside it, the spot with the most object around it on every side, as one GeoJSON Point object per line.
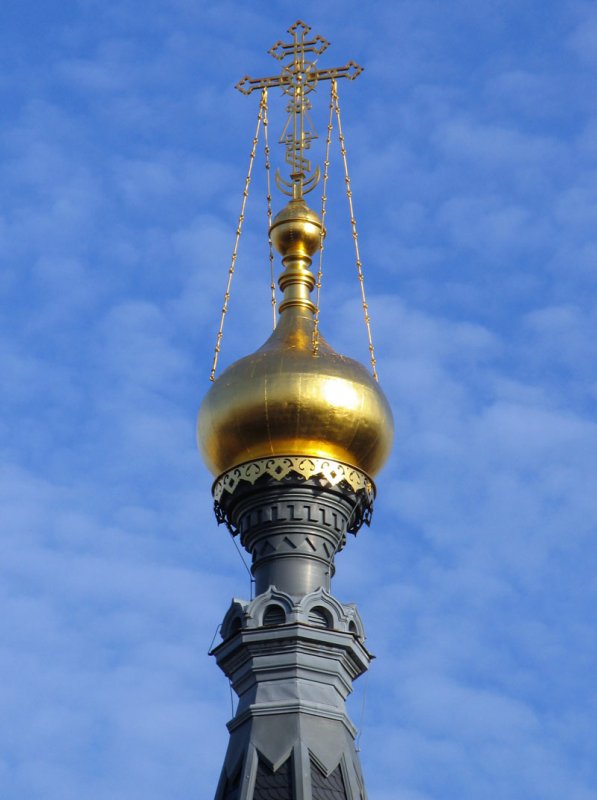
{"type": "Point", "coordinates": [297, 49]}
{"type": "Point", "coordinates": [350, 70]}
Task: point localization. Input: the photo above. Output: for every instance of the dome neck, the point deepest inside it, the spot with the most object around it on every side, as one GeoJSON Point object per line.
{"type": "Point", "coordinates": [297, 282]}
{"type": "Point", "coordinates": [297, 232]}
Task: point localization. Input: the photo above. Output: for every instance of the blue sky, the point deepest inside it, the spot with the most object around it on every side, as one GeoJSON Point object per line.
{"type": "Point", "coordinates": [472, 139]}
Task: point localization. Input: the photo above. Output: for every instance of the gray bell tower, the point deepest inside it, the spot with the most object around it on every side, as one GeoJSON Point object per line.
{"type": "Point", "coordinates": [293, 652]}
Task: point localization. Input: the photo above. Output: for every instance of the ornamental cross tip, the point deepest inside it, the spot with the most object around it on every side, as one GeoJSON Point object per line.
{"type": "Point", "coordinates": [298, 79]}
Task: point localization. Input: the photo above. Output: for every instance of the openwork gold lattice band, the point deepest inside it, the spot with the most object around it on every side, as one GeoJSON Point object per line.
{"type": "Point", "coordinates": [279, 467]}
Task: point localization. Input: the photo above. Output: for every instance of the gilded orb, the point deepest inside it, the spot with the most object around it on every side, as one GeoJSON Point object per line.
{"type": "Point", "coordinates": [296, 229]}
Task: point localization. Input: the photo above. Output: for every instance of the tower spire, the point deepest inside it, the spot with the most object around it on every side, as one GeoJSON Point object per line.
{"type": "Point", "coordinates": [294, 437]}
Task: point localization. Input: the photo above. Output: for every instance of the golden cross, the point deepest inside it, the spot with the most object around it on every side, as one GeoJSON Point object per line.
{"type": "Point", "coordinates": [298, 78]}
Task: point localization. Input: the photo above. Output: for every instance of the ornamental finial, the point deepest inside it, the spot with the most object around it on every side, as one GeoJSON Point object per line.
{"type": "Point", "coordinates": [298, 79]}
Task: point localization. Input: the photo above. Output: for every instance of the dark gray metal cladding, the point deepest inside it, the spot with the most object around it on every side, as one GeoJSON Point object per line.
{"type": "Point", "coordinates": [292, 675]}
{"type": "Point", "coordinates": [270, 785]}
{"type": "Point", "coordinates": [293, 651]}
{"type": "Point", "coordinates": [293, 528]}
{"type": "Point", "coordinates": [327, 787]}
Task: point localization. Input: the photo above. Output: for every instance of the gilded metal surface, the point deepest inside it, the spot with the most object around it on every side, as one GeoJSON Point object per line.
{"type": "Point", "coordinates": [284, 400]}
{"type": "Point", "coordinates": [280, 467]}
{"type": "Point", "coordinates": [297, 233]}
{"type": "Point", "coordinates": [298, 79]}
{"type": "Point", "coordinates": [296, 230]}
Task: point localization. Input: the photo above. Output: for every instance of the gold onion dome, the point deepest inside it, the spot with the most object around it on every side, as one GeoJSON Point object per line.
{"type": "Point", "coordinates": [286, 398]}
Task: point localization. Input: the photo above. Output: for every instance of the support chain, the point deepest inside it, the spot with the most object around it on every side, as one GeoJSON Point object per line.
{"type": "Point", "coordinates": [326, 165]}
{"type": "Point", "coordinates": [239, 228]}
{"type": "Point", "coordinates": [353, 224]}
{"type": "Point", "coordinates": [269, 206]}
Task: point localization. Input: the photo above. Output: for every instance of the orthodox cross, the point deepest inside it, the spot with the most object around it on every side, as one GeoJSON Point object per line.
{"type": "Point", "coordinates": [298, 79]}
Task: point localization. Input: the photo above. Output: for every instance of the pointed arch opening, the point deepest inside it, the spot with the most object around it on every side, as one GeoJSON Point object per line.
{"type": "Point", "coordinates": [274, 614]}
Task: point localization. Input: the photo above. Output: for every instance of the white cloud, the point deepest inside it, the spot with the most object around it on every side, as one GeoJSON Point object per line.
{"type": "Point", "coordinates": [122, 173]}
